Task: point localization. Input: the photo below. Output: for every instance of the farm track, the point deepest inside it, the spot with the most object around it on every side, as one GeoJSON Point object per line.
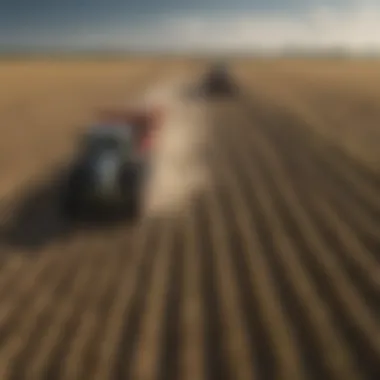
{"type": "Point", "coordinates": [273, 274]}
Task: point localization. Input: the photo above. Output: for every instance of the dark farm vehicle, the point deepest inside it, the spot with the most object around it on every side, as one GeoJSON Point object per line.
{"type": "Point", "coordinates": [218, 82]}
{"type": "Point", "coordinates": [111, 165]}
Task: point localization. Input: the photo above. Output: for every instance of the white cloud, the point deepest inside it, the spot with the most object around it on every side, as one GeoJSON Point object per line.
{"type": "Point", "coordinates": [356, 29]}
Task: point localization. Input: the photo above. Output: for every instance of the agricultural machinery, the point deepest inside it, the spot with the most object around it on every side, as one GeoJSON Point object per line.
{"type": "Point", "coordinates": [111, 164]}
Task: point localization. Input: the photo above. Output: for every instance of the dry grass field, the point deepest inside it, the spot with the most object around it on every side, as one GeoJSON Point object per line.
{"type": "Point", "coordinates": [272, 274]}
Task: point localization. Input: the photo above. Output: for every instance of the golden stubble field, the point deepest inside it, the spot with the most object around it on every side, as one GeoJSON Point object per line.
{"type": "Point", "coordinates": [272, 274]}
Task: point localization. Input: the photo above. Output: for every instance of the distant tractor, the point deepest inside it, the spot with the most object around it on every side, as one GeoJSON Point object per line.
{"type": "Point", "coordinates": [218, 82]}
{"type": "Point", "coordinates": [111, 164]}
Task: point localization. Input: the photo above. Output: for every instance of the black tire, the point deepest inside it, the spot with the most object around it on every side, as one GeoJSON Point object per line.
{"type": "Point", "coordinates": [72, 197]}
{"type": "Point", "coordinates": [133, 209]}
{"type": "Point", "coordinates": [130, 181]}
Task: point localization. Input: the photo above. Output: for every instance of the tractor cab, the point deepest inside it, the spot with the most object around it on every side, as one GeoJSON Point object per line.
{"type": "Point", "coordinates": [104, 138]}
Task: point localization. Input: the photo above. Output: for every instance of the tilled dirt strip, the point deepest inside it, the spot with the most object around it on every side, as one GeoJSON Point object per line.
{"type": "Point", "coordinates": [264, 276]}
{"type": "Point", "coordinates": [343, 272]}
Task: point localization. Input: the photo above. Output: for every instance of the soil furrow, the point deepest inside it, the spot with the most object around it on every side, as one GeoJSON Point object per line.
{"type": "Point", "coordinates": [363, 189]}
{"type": "Point", "coordinates": [169, 354]}
{"type": "Point", "coordinates": [216, 358]}
{"type": "Point", "coordinates": [124, 319]}
{"type": "Point", "coordinates": [242, 359]}
{"type": "Point", "coordinates": [192, 362]}
{"type": "Point", "coordinates": [334, 284]}
{"type": "Point", "coordinates": [310, 183]}
{"type": "Point", "coordinates": [257, 269]}
{"type": "Point", "coordinates": [145, 363]}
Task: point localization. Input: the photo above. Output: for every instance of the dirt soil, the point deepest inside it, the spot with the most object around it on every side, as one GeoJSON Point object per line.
{"type": "Point", "coordinates": [273, 272]}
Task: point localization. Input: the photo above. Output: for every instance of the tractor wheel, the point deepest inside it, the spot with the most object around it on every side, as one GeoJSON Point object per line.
{"type": "Point", "coordinates": [73, 202]}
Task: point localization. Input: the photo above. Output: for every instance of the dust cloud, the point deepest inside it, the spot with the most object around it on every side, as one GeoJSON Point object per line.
{"type": "Point", "coordinates": [179, 169]}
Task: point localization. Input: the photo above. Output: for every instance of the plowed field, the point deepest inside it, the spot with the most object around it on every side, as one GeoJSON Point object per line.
{"type": "Point", "coordinates": [272, 273]}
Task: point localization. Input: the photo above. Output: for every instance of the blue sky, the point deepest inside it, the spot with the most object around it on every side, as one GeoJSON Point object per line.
{"type": "Point", "coordinates": [236, 25]}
